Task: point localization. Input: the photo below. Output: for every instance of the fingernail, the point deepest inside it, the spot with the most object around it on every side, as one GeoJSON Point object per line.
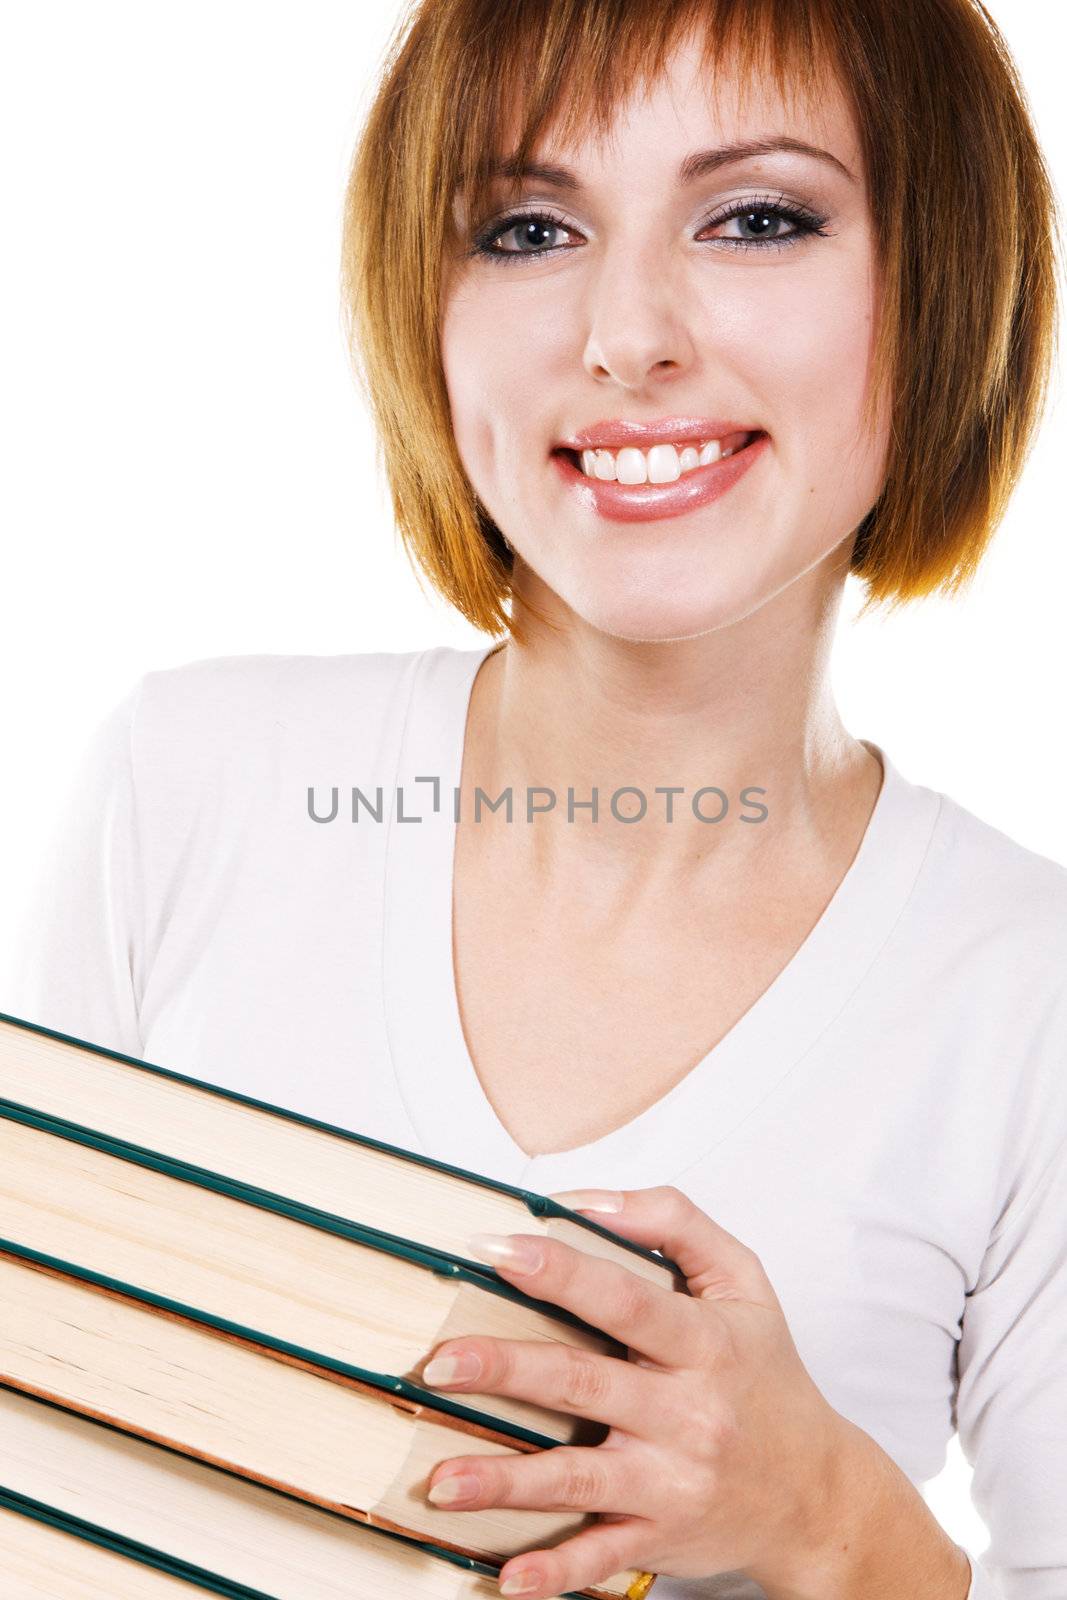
{"type": "Point", "coordinates": [589, 1199]}
{"type": "Point", "coordinates": [459, 1487]}
{"type": "Point", "coordinates": [520, 1583]}
{"type": "Point", "coordinates": [521, 1255]}
{"type": "Point", "coordinates": [452, 1369]}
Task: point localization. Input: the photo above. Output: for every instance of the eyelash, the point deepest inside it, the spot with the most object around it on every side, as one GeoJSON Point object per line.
{"type": "Point", "coordinates": [805, 223]}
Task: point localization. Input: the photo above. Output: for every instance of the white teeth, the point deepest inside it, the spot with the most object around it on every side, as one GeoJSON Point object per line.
{"type": "Point", "coordinates": [631, 466]}
{"type": "Point", "coordinates": [663, 463]}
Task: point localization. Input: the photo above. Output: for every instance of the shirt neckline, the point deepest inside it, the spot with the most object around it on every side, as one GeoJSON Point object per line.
{"type": "Point", "coordinates": [446, 1105]}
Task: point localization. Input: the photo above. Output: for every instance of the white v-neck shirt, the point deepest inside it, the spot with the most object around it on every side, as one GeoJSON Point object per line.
{"type": "Point", "coordinates": [885, 1126]}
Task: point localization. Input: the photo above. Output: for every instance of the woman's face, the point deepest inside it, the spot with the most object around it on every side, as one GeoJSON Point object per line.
{"type": "Point", "coordinates": [649, 303]}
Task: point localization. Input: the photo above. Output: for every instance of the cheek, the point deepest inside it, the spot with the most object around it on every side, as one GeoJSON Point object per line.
{"type": "Point", "coordinates": [806, 345]}
{"type": "Point", "coordinates": [501, 391]}
{"type": "Point", "coordinates": [471, 360]}
{"type": "Point", "coordinates": [806, 351]}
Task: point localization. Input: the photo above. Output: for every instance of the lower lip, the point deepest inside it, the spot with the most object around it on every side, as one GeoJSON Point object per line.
{"type": "Point", "coordinates": [648, 502]}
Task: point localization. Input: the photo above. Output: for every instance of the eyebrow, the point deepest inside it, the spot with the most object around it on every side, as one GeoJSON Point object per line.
{"type": "Point", "coordinates": [697, 165]}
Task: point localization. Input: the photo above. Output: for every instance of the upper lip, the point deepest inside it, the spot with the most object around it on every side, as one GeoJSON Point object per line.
{"type": "Point", "coordinates": [616, 433]}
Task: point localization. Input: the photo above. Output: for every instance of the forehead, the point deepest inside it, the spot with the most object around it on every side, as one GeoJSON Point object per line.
{"type": "Point", "coordinates": [664, 114]}
{"type": "Point", "coordinates": [695, 92]}
{"type": "Point", "coordinates": [686, 107]}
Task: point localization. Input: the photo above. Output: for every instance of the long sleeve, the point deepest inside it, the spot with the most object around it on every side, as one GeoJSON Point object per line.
{"type": "Point", "coordinates": [79, 950]}
{"type": "Point", "coordinates": [1012, 1395]}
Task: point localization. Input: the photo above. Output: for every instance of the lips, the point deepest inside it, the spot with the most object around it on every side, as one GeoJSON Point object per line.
{"type": "Point", "coordinates": [616, 433]}
{"type": "Point", "coordinates": [734, 442]}
{"type": "Point", "coordinates": [622, 503]}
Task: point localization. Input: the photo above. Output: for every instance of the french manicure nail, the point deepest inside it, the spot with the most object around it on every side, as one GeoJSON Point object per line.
{"type": "Point", "coordinates": [589, 1199]}
{"type": "Point", "coordinates": [521, 1255]}
{"type": "Point", "coordinates": [459, 1487]}
{"type": "Point", "coordinates": [451, 1369]}
{"type": "Point", "coordinates": [520, 1583]}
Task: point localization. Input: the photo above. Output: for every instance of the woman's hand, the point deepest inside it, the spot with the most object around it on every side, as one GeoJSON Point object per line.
{"type": "Point", "coordinates": [723, 1455]}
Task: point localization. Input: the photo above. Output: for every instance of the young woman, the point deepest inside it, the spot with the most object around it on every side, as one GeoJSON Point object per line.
{"type": "Point", "coordinates": [671, 316]}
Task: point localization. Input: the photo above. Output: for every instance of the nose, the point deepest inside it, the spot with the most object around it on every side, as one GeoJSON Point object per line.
{"type": "Point", "coordinates": [638, 332]}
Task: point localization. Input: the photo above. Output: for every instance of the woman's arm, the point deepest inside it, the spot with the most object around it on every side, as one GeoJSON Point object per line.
{"type": "Point", "coordinates": [875, 1540]}
{"type": "Point", "coordinates": [1012, 1398]}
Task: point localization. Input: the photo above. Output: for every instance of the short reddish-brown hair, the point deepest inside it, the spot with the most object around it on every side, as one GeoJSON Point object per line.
{"type": "Point", "coordinates": [964, 214]}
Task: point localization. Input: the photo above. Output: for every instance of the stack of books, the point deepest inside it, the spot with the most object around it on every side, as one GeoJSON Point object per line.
{"type": "Point", "coordinates": [213, 1317]}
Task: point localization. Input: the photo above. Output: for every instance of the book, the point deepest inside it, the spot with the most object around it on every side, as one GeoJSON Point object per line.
{"type": "Point", "coordinates": [369, 1310]}
{"type": "Point", "coordinates": [321, 1295]}
{"type": "Point", "coordinates": [87, 1514]}
{"type": "Point", "coordinates": [46, 1557]}
{"type": "Point", "coordinates": [317, 1435]}
{"type": "Point", "coordinates": [211, 1135]}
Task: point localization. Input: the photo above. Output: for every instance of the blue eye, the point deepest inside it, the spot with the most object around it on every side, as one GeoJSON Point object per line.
{"type": "Point", "coordinates": [530, 222]}
{"type": "Point", "coordinates": [756, 212]}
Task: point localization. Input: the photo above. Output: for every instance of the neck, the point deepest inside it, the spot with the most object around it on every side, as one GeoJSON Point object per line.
{"type": "Point", "coordinates": [746, 707]}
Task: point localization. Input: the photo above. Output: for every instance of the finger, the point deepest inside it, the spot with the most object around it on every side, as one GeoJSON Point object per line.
{"type": "Point", "coordinates": [581, 1383]}
{"type": "Point", "coordinates": [716, 1265]}
{"type": "Point", "coordinates": [668, 1327]}
{"type": "Point", "coordinates": [562, 1478]}
{"type": "Point", "coordinates": [606, 1550]}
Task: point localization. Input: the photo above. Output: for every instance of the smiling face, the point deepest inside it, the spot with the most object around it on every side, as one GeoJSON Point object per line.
{"type": "Point", "coordinates": [650, 301]}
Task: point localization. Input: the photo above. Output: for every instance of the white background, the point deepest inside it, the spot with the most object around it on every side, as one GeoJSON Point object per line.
{"type": "Point", "coordinates": [190, 472]}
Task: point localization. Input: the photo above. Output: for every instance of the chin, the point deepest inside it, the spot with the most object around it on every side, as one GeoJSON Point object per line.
{"type": "Point", "coordinates": [655, 618]}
